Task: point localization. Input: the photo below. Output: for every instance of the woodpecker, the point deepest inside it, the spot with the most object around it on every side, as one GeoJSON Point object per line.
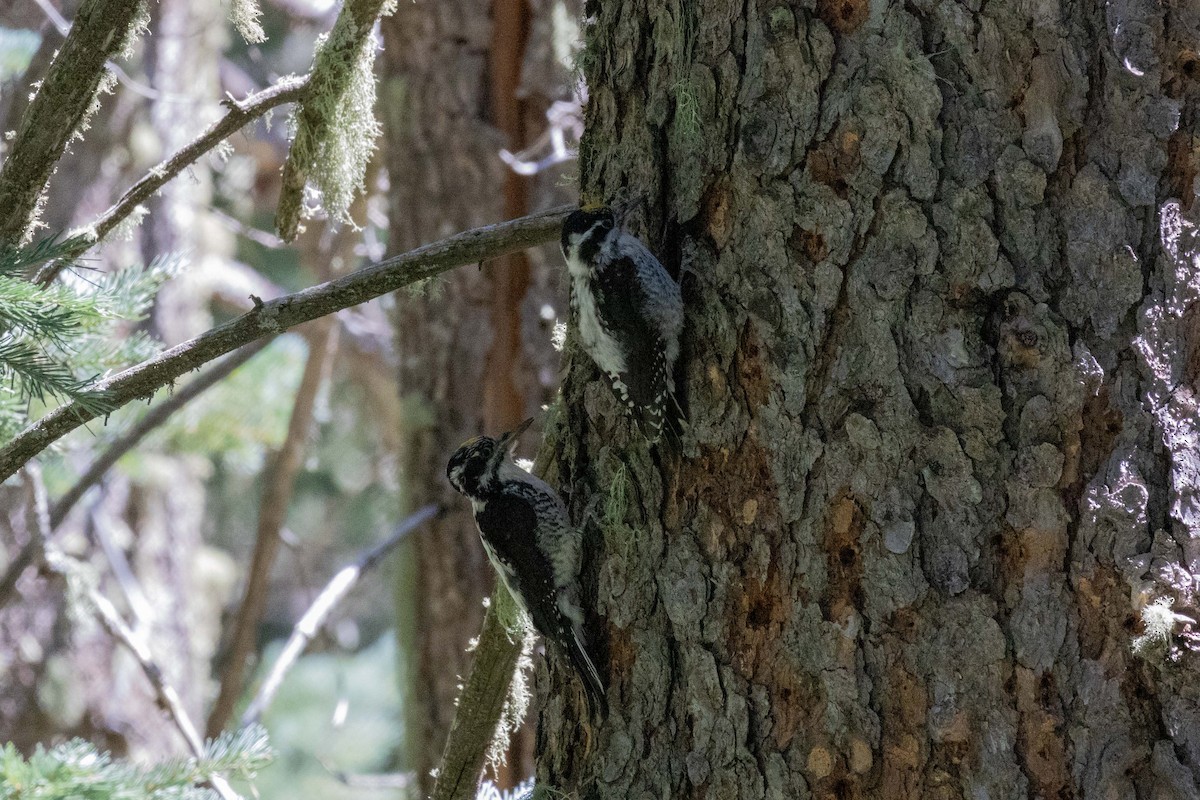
{"type": "Point", "coordinates": [629, 311]}
{"type": "Point", "coordinates": [530, 541]}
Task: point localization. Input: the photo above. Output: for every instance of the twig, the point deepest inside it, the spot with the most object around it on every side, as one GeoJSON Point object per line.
{"type": "Point", "coordinates": [240, 113]}
{"type": "Point", "coordinates": [337, 588]}
{"type": "Point", "coordinates": [156, 417]}
{"type": "Point", "coordinates": [275, 316]}
{"type": "Point", "coordinates": [272, 510]}
{"type": "Point", "coordinates": [106, 614]}
{"type": "Point", "coordinates": [373, 783]}
{"type": "Point", "coordinates": [168, 698]}
{"type": "Point", "coordinates": [8, 584]}
{"type": "Point", "coordinates": [101, 30]}
{"type": "Point", "coordinates": [135, 597]}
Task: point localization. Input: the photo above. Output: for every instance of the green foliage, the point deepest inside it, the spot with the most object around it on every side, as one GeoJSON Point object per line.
{"type": "Point", "coordinates": [76, 769]}
{"type": "Point", "coordinates": [55, 341]}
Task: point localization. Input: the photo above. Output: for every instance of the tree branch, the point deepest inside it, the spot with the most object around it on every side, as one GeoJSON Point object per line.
{"type": "Point", "coordinates": [481, 703]}
{"type": "Point", "coordinates": [101, 30]}
{"type": "Point", "coordinates": [280, 479]}
{"type": "Point", "coordinates": [240, 114]}
{"type": "Point", "coordinates": [337, 588]}
{"type": "Point", "coordinates": [275, 316]}
{"type": "Point", "coordinates": [157, 416]}
{"type": "Point", "coordinates": [334, 66]}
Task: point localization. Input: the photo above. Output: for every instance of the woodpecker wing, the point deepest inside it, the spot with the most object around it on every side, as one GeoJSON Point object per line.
{"type": "Point", "coordinates": [640, 307]}
{"type": "Point", "coordinates": [508, 524]}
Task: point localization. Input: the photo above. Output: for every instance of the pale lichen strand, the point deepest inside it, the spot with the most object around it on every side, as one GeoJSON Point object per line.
{"type": "Point", "coordinates": [245, 14]}
{"type": "Point", "coordinates": [335, 128]}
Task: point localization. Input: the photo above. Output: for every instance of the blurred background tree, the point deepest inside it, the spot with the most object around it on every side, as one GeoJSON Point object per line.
{"type": "Point", "coordinates": [216, 532]}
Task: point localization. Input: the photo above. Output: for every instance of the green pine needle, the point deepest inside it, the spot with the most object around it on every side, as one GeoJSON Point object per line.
{"type": "Point", "coordinates": [55, 341]}
{"type": "Point", "coordinates": [77, 769]}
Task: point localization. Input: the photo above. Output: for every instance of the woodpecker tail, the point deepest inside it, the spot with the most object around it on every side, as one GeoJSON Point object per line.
{"type": "Point", "coordinates": [588, 674]}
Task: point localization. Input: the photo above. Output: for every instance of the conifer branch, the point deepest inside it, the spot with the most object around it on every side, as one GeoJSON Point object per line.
{"type": "Point", "coordinates": [275, 316]}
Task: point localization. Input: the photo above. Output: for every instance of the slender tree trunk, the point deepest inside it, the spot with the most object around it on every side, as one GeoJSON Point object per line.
{"type": "Point", "coordinates": [475, 349]}
{"type": "Point", "coordinates": [938, 368]}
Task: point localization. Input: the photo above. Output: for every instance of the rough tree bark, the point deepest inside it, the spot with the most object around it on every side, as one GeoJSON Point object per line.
{"type": "Point", "coordinates": [939, 371]}
{"type": "Point", "coordinates": [474, 347]}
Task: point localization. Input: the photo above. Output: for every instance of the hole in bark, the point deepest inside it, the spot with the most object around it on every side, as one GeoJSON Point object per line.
{"type": "Point", "coordinates": [847, 556]}
{"type": "Point", "coordinates": [1189, 64]}
{"type": "Point", "coordinates": [844, 16]}
{"type": "Point", "coordinates": [759, 615]}
{"type": "Point", "coordinates": [1047, 690]}
{"type": "Point", "coordinates": [1028, 338]}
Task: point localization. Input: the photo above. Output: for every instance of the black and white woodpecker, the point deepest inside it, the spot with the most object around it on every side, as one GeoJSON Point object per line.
{"type": "Point", "coordinates": [531, 543]}
{"type": "Point", "coordinates": [629, 312]}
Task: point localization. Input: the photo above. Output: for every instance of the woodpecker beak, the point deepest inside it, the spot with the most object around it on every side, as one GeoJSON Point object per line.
{"type": "Point", "coordinates": [512, 436]}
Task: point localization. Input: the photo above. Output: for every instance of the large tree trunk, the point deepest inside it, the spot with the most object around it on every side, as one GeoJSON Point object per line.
{"type": "Point", "coordinates": [475, 347]}
{"type": "Point", "coordinates": [942, 449]}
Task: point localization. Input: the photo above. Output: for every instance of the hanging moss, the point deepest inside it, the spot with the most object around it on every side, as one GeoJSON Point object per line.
{"type": "Point", "coordinates": [334, 126]}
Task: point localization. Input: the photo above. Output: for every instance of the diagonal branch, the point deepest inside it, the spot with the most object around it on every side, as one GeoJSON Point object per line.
{"type": "Point", "coordinates": [337, 588]}
{"type": "Point", "coordinates": [497, 656]}
{"type": "Point", "coordinates": [130, 439]}
{"type": "Point", "coordinates": [102, 29]}
{"type": "Point", "coordinates": [274, 316]}
{"type": "Point", "coordinates": [240, 114]}
{"type": "Point", "coordinates": [110, 619]}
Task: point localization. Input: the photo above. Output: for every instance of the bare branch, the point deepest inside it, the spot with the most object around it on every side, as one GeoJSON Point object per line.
{"type": "Point", "coordinates": [240, 114]}
{"type": "Point", "coordinates": [67, 93]}
{"type": "Point", "coordinates": [168, 698]}
{"type": "Point", "coordinates": [337, 588]}
{"type": "Point", "coordinates": [64, 30]}
{"type": "Point", "coordinates": [8, 583]}
{"type": "Point", "coordinates": [110, 620]}
{"type": "Point", "coordinates": [156, 417]}
{"type": "Point", "coordinates": [275, 316]}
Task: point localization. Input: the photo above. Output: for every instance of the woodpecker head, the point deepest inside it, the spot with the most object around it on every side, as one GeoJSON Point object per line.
{"type": "Point", "coordinates": [474, 469]}
{"type": "Point", "coordinates": [582, 233]}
